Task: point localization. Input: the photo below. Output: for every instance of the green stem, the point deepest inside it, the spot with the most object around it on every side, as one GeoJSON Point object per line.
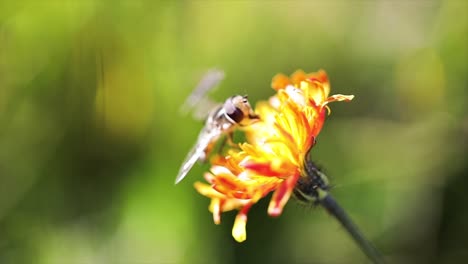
{"type": "Point", "coordinates": [332, 206]}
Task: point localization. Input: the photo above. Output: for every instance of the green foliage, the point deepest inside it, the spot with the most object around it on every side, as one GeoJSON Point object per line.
{"type": "Point", "coordinates": [91, 135]}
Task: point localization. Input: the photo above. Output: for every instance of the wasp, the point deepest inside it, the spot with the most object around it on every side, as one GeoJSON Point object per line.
{"type": "Point", "coordinates": [222, 120]}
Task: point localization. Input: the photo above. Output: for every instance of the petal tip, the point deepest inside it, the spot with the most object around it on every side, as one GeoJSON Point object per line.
{"type": "Point", "coordinates": [238, 231]}
{"type": "Point", "coordinates": [275, 211]}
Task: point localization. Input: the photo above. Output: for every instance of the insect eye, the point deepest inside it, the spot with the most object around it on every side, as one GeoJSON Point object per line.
{"type": "Point", "coordinates": [235, 114]}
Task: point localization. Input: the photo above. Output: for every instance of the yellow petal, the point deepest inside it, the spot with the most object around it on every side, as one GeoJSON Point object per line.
{"type": "Point", "coordinates": [238, 230]}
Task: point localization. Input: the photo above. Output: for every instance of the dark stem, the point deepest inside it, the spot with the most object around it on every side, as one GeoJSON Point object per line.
{"type": "Point", "coordinates": [329, 203]}
{"type": "Point", "coordinates": [313, 187]}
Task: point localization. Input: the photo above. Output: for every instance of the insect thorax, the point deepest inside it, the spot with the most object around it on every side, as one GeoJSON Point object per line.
{"type": "Point", "coordinates": [218, 119]}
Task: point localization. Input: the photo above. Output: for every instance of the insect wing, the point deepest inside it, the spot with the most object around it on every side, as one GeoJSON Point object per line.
{"type": "Point", "coordinates": [197, 151]}
{"type": "Point", "coordinates": [198, 101]}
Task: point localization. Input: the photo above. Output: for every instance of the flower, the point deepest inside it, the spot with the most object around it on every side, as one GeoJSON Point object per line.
{"type": "Point", "coordinates": [272, 158]}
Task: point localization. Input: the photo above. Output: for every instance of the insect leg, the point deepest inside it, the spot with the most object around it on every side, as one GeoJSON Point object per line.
{"type": "Point", "coordinates": [230, 140]}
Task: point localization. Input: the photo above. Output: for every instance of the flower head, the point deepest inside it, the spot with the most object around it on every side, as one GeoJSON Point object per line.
{"type": "Point", "coordinates": [272, 158]}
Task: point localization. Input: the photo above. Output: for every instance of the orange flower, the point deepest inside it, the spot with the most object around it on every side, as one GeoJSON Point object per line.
{"type": "Point", "coordinates": [272, 158]}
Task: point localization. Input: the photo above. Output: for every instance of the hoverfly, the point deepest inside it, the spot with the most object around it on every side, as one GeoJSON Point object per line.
{"type": "Point", "coordinates": [221, 120]}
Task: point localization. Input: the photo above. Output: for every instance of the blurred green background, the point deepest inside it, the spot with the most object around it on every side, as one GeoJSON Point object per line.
{"type": "Point", "coordinates": [91, 137]}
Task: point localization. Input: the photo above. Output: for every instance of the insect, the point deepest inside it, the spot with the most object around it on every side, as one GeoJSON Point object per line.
{"type": "Point", "coordinates": [222, 120]}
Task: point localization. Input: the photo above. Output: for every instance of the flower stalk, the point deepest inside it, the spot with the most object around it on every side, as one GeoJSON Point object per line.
{"type": "Point", "coordinates": [332, 206]}
{"type": "Point", "coordinates": [316, 190]}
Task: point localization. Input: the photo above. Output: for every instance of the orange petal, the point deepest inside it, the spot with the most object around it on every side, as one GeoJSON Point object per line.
{"type": "Point", "coordinates": [264, 169]}
{"type": "Point", "coordinates": [279, 81]}
{"type": "Point", "coordinates": [281, 195]}
{"type": "Point", "coordinates": [321, 77]}
{"type": "Point", "coordinates": [298, 76]}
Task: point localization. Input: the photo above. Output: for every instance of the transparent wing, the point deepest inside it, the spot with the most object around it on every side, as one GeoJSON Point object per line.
{"type": "Point", "coordinates": [198, 102]}
{"type": "Point", "coordinates": [197, 151]}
